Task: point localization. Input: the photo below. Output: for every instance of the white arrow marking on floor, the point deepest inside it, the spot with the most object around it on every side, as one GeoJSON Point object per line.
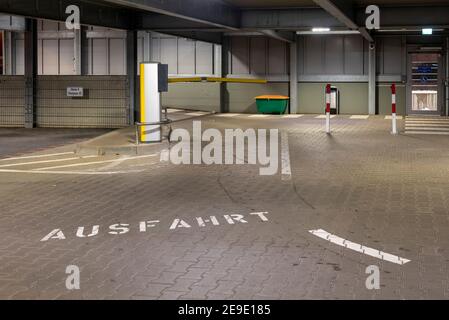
{"type": "Point", "coordinates": [358, 247]}
{"type": "Point", "coordinates": [285, 157]}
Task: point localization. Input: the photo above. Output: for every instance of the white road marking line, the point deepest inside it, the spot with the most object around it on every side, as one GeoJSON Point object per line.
{"type": "Point", "coordinates": [397, 117]}
{"type": "Point", "coordinates": [90, 173]}
{"type": "Point", "coordinates": [96, 162]}
{"type": "Point", "coordinates": [228, 115]}
{"type": "Point", "coordinates": [324, 116]}
{"type": "Point", "coordinates": [196, 114]}
{"type": "Point", "coordinates": [358, 247]}
{"type": "Point", "coordinates": [438, 129]}
{"type": "Point", "coordinates": [292, 116]}
{"type": "Point", "coordinates": [165, 155]}
{"type": "Point", "coordinates": [285, 158]}
{"type": "Point", "coordinates": [437, 125]}
{"type": "Point", "coordinates": [45, 161]}
{"type": "Point", "coordinates": [259, 116]}
{"type": "Point", "coordinates": [442, 133]}
{"type": "Point", "coordinates": [174, 110]}
{"type": "Point", "coordinates": [38, 156]}
{"type": "Point", "coordinates": [359, 117]}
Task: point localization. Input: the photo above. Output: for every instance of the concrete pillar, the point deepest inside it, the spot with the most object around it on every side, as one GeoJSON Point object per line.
{"type": "Point", "coordinates": [131, 67]}
{"type": "Point", "coordinates": [8, 53]}
{"type": "Point", "coordinates": [294, 77]}
{"type": "Point", "coordinates": [446, 83]}
{"type": "Point", "coordinates": [146, 46]}
{"type": "Point", "coordinates": [77, 46]}
{"type": "Point", "coordinates": [372, 79]}
{"type": "Point", "coordinates": [225, 70]}
{"type": "Point", "coordinates": [30, 72]}
{"type": "Point", "coordinates": [84, 51]}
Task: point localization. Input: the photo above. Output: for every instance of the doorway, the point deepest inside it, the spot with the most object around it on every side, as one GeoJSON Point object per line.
{"type": "Point", "coordinates": [425, 83]}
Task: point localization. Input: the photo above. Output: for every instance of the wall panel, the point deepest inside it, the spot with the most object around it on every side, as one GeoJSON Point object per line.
{"type": "Point", "coordinates": [12, 101]}
{"type": "Point", "coordinates": [105, 105]}
{"type": "Point", "coordinates": [204, 58]}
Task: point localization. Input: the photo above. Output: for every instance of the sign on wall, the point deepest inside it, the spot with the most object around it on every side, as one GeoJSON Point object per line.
{"type": "Point", "coordinates": [75, 92]}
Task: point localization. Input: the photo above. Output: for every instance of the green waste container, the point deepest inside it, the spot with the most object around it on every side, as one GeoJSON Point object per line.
{"type": "Point", "coordinates": [272, 104]}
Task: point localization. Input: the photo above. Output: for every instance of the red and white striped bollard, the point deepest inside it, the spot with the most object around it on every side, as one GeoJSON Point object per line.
{"type": "Point", "coordinates": [393, 110]}
{"type": "Point", "coordinates": [328, 109]}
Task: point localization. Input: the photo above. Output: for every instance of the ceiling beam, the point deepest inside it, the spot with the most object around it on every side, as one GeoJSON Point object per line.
{"type": "Point", "coordinates": [94, 14]}
{"type": "Point", "coordinates": [284, 36]}
{"type": "Point", "coordinates": [211, 12]}
{"type": "Point", "coordinates": [288, 19]}
{"type": "Point", "coordinates": [211, 37]}
{"type": "Point", "coordinates": [344, 12]}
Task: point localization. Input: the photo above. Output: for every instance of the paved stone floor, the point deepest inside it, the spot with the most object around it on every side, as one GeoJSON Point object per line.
{"type": "Point", "coordinates": [361, 183]}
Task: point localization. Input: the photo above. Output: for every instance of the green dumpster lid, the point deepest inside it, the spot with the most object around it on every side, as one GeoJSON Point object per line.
{"type": "Point", "coordinates": [272, 97]}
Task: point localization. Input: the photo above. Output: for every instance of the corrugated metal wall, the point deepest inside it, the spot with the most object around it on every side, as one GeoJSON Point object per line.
{"type": "Point", "coordinates": [12, 101]}
{"type": "Point", "coordinates": [105, 105]}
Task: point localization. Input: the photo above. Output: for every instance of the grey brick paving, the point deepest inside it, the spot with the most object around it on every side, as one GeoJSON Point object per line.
{"type": "Point", "coordinates": [361, 183]}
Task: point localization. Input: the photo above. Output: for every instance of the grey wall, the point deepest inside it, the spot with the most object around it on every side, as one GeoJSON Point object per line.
{"type": "Point", "coordinates": [332, 55]}
{"type": "Point", "coordinates": [258, 56]}
{"type": "Point", "coordinates": [353, 97]}
{"type": "Point", "coordinates": [194, 96]}
{"type": "Point", "coordinates": [183, 56]}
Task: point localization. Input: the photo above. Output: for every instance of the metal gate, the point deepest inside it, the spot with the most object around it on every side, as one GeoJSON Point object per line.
{"type": "Point", "coordinates": [103, 104]}
{"type": "Point", "coordinates": [12, 101]}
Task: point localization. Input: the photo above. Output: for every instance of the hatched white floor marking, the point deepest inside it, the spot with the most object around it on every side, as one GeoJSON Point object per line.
{"type": "Point", "coordinates": [87, 173]}
{"type": "Point", "coordinates": [292, 116]}
{"type": "Point", "coordinates": [38, 156]}
{"type": "Point", "coordinates": [44, 161]}
{"type": "Point", "coordinates": [174, 110]}
{"type": "Point", "coordinates": [359, 117]}
{"type": "Point", "coordinates": [227, 115]}
{"type": "Point", "coordinates": [259, 116]}
{"type": "Point", "coordinates": [323, 116]}
{"type": "Point", "coordinates": [96, 162]}
{"type": "Point", "coordinates": [358, 247]}
{"type": "Point", "coordinates": [285, 157]}
{"type": "Point", "coordinates": [427, 126]}
{"type": "Point", "coordinates": [391, 117]}
{"type": "Point", "coordinates": [196, 114]}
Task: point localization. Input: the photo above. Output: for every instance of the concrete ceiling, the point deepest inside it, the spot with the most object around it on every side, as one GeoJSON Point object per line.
{"type": "Point", "coordinates": [246, 4]}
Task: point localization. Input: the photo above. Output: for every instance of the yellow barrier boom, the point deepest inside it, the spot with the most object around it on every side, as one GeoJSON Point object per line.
{"type": "Point", "coordinates": [215, 79]}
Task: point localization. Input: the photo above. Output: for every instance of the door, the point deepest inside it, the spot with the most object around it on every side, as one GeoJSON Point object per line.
{"type": "Point", "coordinates": [425, 84]}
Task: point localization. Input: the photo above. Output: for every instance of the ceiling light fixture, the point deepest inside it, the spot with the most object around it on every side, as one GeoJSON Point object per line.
{"type": "Point", "coordinates": [321, 29]}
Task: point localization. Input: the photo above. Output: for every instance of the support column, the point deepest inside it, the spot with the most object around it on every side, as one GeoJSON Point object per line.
{"type": "Point", "coordinates": [84, 51]}
{"type": "Point", "coordinates": [294, 77]}
{"type": "Point", "coordinates": [447, 77]}
{"type": "Point", "coordinates": [225, 70]}
{"type": "Point", "coordinates": [131, 67]}
{"type": "Point", "coordinates": [30, 72]}
{"type": "Point", "coordinates": [372, 79]}
{"type": "Point", "coordinates": [8, 53]}
{"type": "Point", "coordinates": [77, 46]}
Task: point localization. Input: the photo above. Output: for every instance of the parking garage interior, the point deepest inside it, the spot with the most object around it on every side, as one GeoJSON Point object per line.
{"type": "Point", "coordinates": [77, 186]}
